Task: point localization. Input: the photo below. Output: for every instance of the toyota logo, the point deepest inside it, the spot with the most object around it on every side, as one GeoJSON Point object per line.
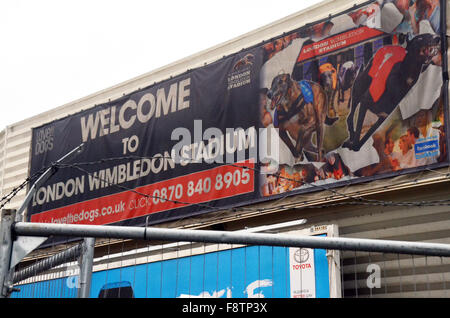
{"type": "Point", "coordinates": [301, 255]}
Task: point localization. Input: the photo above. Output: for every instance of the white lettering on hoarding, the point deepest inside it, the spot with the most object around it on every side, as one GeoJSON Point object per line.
{"type": "Point", "coordinates": [104, 122]}
{"type": "Point", "coordinates": [210, 146]}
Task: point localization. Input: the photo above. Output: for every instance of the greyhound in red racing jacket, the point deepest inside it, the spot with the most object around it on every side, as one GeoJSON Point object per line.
{"type": "Point", "coordinates": [385, 81]}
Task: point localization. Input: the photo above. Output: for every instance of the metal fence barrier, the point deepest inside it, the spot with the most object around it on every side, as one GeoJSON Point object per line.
{"type": "Point", "coordinates": [126, 262]}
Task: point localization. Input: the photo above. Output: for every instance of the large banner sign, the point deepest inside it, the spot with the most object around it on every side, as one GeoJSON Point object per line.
{"type": "Point", "coordinates": [358, 96]}
{"type": "Point", "coordinates": [177, 147]}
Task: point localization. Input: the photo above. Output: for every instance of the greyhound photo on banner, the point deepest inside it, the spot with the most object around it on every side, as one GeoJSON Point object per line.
{"type": "Point", "coordinates": [358, 95]}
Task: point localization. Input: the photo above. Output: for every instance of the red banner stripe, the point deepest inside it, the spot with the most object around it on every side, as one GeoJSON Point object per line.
{"type": "Point", "coordinates": [196, 188]}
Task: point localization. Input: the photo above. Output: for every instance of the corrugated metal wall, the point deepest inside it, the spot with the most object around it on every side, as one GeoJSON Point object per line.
{"type": "Point", "coordinates": [403, 275]}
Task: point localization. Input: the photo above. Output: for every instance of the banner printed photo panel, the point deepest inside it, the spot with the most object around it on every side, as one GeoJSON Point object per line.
{"type": "Point", "coordinates": [358, 96]}
{"type": "Point", "coordinates": [352, 98]}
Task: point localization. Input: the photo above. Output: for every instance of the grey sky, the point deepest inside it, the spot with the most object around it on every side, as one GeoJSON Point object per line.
{"type": "Point", "coordinates": [54, 52]}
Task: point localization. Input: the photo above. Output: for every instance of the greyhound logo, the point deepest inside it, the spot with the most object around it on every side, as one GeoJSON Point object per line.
{"type": "Point", "coordinates": [244, 62]}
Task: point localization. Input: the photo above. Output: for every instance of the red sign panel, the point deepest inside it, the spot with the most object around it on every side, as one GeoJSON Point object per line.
{"type": "Point", "coordinates": [204, 186]}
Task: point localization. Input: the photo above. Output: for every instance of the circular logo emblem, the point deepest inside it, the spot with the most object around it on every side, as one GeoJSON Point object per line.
{"type": "Point", "coordinates": [301, 255]}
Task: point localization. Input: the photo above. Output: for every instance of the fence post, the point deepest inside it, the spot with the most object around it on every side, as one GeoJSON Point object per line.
{"type": "Point", "coordinates": [86, 264]}
{"type": "Point", "coordinates": [7, 219]}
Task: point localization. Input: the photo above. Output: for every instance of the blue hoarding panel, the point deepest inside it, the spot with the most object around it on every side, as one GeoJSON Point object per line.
{"type": "Point", "coordinates": [247, 272]}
